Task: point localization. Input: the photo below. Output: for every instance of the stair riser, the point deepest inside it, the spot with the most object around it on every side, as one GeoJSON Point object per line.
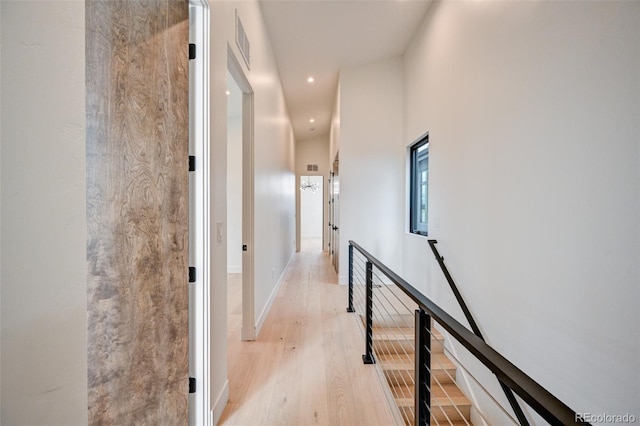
{"type": "Point", "coordinates": [443, 414]}
{"type": "Point", "coordinates": [395, 349]}
{"type": "Point", "coordinates": [388, 346]}
{"type": "Point", "coordinates": [384, 346]}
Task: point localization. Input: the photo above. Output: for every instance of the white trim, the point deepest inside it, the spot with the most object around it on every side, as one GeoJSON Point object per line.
{"type": "Point", "coordinates": [272, 297]}
{"type": "Point", "coordinates": [221, 402]}
{"type": "Point", "coordinates": [199, 239]}
{"type": "Point", "coordinates": [248, 330]}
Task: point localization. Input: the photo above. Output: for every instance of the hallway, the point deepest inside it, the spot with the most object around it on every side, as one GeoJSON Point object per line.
{"type": "Point", "coordinates": [306, 367]}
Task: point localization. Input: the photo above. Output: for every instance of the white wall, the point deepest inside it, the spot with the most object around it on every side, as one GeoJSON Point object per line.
{"type": "Point", "coordinates": [314, 151]}
{"type": "Point", "coordinates": [534, 119]}
{"type": "Point", "coordinates": [234, 194]}
{"type": "Point", "coordinates": [371, 161]}
{"type": "Point", "coordinates": [334, 135]}
{"type": "Point", "coordinates": [44, 270]}
{"type": "Point", "coordinates": [0, 214]}
{"type": "Point", "coordinates": [274, 172]}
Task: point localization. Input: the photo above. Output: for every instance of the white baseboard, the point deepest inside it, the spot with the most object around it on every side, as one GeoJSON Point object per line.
{"type": "Point", "coordinates": [220, 403]}
{"type": "Point", "coordinates": [272, 298]}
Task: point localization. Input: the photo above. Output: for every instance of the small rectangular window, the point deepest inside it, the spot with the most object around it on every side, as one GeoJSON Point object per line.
{"type": "Point", "coordinates": [419, 193]}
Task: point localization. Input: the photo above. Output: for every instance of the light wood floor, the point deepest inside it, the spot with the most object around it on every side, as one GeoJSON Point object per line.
{"type": "Point", "coordinates": [311, 244]}
{"type": "Point", "coordinates": [306, 366]}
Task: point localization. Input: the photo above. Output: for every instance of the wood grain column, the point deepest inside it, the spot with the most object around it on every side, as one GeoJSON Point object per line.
{"type": "Point", "coordinates": [137, 211]}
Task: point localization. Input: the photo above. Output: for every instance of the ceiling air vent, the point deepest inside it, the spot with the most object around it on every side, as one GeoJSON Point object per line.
{"type": "Point", "coordinates": [312, 167]}
{"type": "Point", "coordinates": [242, 41]}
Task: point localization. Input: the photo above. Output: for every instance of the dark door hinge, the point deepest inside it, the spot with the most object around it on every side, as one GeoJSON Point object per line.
{"type": "Point", "coordinates": [192, 50]}
{"type": "Point", "coordinates": [192, 274]}
{"type": "Point", "coordinates": [192, 163]}
{"type": "Point", "coordinates": [192, 385]}
{"type": "Point", "coordinates": [244, 247]}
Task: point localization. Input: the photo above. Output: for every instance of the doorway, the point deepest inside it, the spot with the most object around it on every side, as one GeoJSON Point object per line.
{"type": "Point", "coordinates": [334, 214]}
{"type": "Point", "coordinates": [311, 213]}
{"type": "Point", "coordinates": [199, 216]}
{"type": "Point", "coordinates": [234, 207]}
{"type": "Point", "coordinates": [240, 190]}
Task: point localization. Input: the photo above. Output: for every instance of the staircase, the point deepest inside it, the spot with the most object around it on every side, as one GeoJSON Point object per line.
{"type": "Point", "coordinates": [393, 342]}
{"type": "Point", "coordinates": [378, 292]}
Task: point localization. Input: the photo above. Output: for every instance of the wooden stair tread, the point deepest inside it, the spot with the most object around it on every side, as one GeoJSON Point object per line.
{"type": "Point", "coordinates": [445, 395]}
{"type": "Point", "coordinates": [398, 373]}
{"type": "Point", "coordinates": [405, 322]}
{"type": "Point", "coordinates": [406, 332]}
{"type": "Point", "coordinates": [392, 333]}
{"type": "Point", "coordinates": [401, 332]}
{"type": "Point", "coordinates": [459, 401]}
{"type": "Point", "coordinates": [393, 342]}
{"type": "Point", "coordinates": [392, 320]}
{"type": "Point", "coordinates": [439, 361]}
{"type": "Point", "coordinates": [439, 422]}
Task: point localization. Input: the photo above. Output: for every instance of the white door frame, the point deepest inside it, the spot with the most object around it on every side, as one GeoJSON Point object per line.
{"type": "Point", "coordinates": [199, 216]}
{"type": "Point", "coordinates": [248, 331]}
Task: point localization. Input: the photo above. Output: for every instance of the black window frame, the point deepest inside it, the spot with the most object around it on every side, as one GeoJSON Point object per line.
{"type": "Point", "coordinates": [416, 225]}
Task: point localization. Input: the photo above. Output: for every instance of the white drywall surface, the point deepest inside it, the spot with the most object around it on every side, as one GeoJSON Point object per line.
{"type": "Point", "coordinates": [533, 112]}
{"type": "Point", "coordinates": [44, 273]}
{"type": "Point", "coordinates": [371, 161]}
{"type": "Point", "coordinates": [274, 178]}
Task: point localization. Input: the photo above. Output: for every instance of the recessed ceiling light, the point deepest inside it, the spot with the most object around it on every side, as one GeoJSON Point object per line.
{"type": "Point", "coordinates": [228, 93]}
{"type": "Point", "coordinates": [310, 80]}
{"type": "Point", "coordinates": [312, 120]}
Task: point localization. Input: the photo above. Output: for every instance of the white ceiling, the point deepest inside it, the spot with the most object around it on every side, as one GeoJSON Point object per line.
{"type": "Point", "coordinates": [319, 37]}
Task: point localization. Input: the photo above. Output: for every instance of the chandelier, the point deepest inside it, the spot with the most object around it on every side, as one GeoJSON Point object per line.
{"type": "Point", "coordinates": [308, 186]}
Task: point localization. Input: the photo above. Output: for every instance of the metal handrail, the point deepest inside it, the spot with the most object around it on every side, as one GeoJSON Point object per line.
{"type": "Point", "coordinates": [537, 397]}
{"type": "Point", "coordinates": [513, 402]}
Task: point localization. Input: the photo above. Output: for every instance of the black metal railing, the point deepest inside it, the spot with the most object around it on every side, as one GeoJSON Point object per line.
{"type": "Point", "coordinates": [511, 378]}
{"type": "Point", "coordinates": [513, 402]}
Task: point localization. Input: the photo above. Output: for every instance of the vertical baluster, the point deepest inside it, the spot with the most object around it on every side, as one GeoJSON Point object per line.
{"type": "Point", "coordinates": [423, 369]}
{"type": "Point", "coordinates": [368, 358]}
{"type": "Point", "coordinates": [350, 307]}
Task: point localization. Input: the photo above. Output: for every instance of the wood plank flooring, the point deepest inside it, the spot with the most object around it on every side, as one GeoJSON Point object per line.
{"type": "Point", "coordinates": [306, 366]}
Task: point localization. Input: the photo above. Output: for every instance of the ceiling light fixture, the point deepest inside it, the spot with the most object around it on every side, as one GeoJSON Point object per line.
{"type": "Point", "coordinates": [228, 93]}
{"type": "Point", "coordinates": [312, 120]}
{"type": "Point", "coordinates": [310, 80]}
{"type": "Point", "coordinates": [308, 186]}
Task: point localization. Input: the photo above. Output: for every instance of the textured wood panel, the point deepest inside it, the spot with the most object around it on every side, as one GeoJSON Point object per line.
{"type": "Point", "coordinates": [137, 211]}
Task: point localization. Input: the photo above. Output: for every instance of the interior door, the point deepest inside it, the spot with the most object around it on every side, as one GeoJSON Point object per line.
{"type": "Point", "coordinates": [197, 410]}
{"type": "Point", "coordinates": [330, 221]}
{"type": "Point", "coordinates": [335, 204]}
